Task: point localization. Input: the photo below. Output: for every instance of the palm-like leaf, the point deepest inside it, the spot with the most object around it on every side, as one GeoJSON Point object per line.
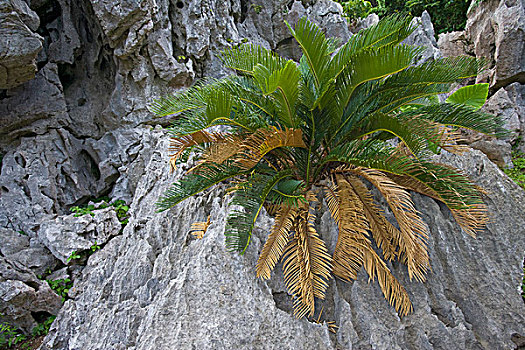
{"type": "Point", "coordinates": [328, 122]}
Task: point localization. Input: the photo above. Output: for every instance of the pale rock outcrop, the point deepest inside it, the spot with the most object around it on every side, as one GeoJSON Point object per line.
{"type": "Point", "coordinates": [453, 44]}
{"type": "Point", "coordinates": [195, 294]}
{"type": "Point", "coordinates": [67, 234]}
{"type": "Point", "coordinates": [19, 46]}
{"type": "Point", "coordinates": [497, 30]}
{"type": "Point", "coordinates": [23, 295]}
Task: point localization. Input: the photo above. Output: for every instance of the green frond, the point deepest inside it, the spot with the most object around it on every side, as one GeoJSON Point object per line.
{"type": "Point", "coordinates": [390, 31]}
{"type": "Point", "coordinates": [244, 58]}
{"type": "Point", "coordinates": [251, 197]}
{"type": "Point", "coordinates": [191, 184]}
{"type": "Point", "coordinates": [283, 86]}
{"type": "Point", "coordinates": [316, 48]}
{"type": "Point", "coordinates": [442, 70]}
{"type": "Point", "coordinates": [461, 116]}
{"type": "Point", "coordinates": [194, 98]}
{"type": "Point", "coordinates": [368, 66]}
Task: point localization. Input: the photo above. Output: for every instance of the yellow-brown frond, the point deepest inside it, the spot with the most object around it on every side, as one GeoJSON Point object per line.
{"type": "Point", "coordinates": [412, 241]}
{"type": "Point", "coordinates": [353, 230]}
{"type": "Point", "coordinates": [471, 218]}
{"type": "Point", "coordinates": [262, 141]}
{"type": "Point", "coordinates": [274, 247]}
{"type": "Point", "coordinates": [199, 228]}
{"type": "Point", "coordinates": [382, 230]}
{"type": "Point", "coordinates": [307, 265]}
{"type": "Point", "coordinates": [390, 286]}
{"type": "Point", "coordinates": [179, 144]}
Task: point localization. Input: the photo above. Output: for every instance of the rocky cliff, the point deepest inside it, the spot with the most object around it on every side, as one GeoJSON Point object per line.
{"type": "Point", "coordinates": [76, 77]}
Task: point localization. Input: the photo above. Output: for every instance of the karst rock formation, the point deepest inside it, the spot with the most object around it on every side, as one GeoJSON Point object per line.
{"type": "Point", "coordinates": [75, 81]}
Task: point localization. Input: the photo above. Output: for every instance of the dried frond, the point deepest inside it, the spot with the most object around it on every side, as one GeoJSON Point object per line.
{"type": "Point", "coordinates": [274, 247]}
{"type": "Point", "coordinates": [413, 231]}
{"type": "Point", "coordinates": [470, 217]}
{"type": "Point", "coordinates": [382, 230]}
{"type": "Point", "coordinates": [179, 144]}
{"type": "Point", "coordinates": [390, 286]}
{"type": "Point", "coordinates": [307, 265]}
{"type": "Point", "coordinates": [198, 229]}
{"type": "Point", "coordinates": [347, 211]}
{"type": "Point", "coordinates": [261, 142]}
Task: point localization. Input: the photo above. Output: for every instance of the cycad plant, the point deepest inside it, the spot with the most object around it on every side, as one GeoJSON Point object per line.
{"type": "Point", "coordinates": [286, 136]}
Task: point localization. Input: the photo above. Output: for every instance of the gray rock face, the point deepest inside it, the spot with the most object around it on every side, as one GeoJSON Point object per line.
{"type": "Point", "coordinates": [34, 107]}
{"type": "Point", "coordinates": [20, 249]}
{"type": "Point", "coordinates": [79, 130]}
{"type": "Point", "coordinates": [370, 20]}
{"type": "Point", "coordinates": [179, 282]}
{"type": "Point", "coordinates": [172, 272]}
{"type": "Point", "coordinates": [22, 295]}
{"type": "Point", "coordinates": [19, 46]}
{"type": "Point", "coordinates": [48, 174]}
{"type": "Point", "coordinates": [424, 36]}
{"type": "Point", "coordinates": [66, 234]}
{"type": "Point", "coordinates": [453, 44]}
{"type": "Point", "coordinates": [497, 30]}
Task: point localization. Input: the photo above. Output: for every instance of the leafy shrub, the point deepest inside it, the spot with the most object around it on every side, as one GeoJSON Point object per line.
{"type": "Point", "coordinates": [120, 206]}
{"type": "Point", "coordinates": [295, 133]}
{"type": "Point", "coordinates": [356, 9]}
{"type": "Point", "coordinates": [10, 336]}
{"type": "Point", "coordinates": [447, 15]}
{"type": "Point", "coordinates": [61, 286]}
{"type": "Point", "coordinates": [43, 328]}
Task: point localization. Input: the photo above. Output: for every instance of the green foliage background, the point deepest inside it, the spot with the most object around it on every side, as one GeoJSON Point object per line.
{"type": "Point", "coordinates": [446, 15]}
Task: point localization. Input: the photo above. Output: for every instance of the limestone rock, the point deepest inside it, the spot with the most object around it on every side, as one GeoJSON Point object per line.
{"type": "Point", "coordinates": [497, 30]}
{"type": "Point", "coordinates": [22, 295]}
{"type": "Point", "coordinates": [34, 107]}
{"type": "Point", "coordinates": [18, 247]}
{"type": "Point", "coordinates": [19, 46]}
{"type": "Point", "coordinates": [48, 174]}
{"type": "Point", "coordinates": [178, 280]}
{"type": "Point", "coordinates": [453, 44]}
{"type": "Point", "coordinates": [177, 283]}
{"type": "Point", "coordinates": [424, 36]}
{"type": "Point", "coordinates": [369, 21]}
{"type": "Point", "coordinates": [67, 234]}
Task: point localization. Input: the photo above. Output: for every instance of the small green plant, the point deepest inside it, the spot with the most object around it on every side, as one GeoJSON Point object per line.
{"type": "Point", "coordinates": [10, 336]}
{"type": "Point", "coordinates": [518, 172]}
{"type": "Point", "coordinates": [94, 247]}
{"type": "Point", "coordinates": [22, 233]}
{"type": "Point", "coordinates": [356, 9]}
{"type": "Point", "coordinates": [81, 211]}
{"type": "Point", "coordinates": [43, 328]}
{"type": "Point", "coordinates": [257, 8]}
{"type": "Point", "coordinates": [61, 287]}
{"type": "Point", "coordinates": [121, 208]}
{"type": "Point", "coordinates": [73, 256]}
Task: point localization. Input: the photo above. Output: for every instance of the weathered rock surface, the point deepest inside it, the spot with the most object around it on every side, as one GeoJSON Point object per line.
{"type": "Point", "coordinates": [67, 234]}
{"type": "Point", "coordinates": [78, 130]}
{"type": "Point", "coordinates": [453, 44]}
{"type": "Point", "coordinates": [23, 296]}
{"type": "Point", "coordinates": [18, 247]}
{"type": "Point", "coordinates": [194, 294]}
{"type": "Point", "coordinates": [424, 36]}
{"type": "Point", "coordinates": [497, 30]}
{"type": "Point", "coordinates": [19, 46]}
